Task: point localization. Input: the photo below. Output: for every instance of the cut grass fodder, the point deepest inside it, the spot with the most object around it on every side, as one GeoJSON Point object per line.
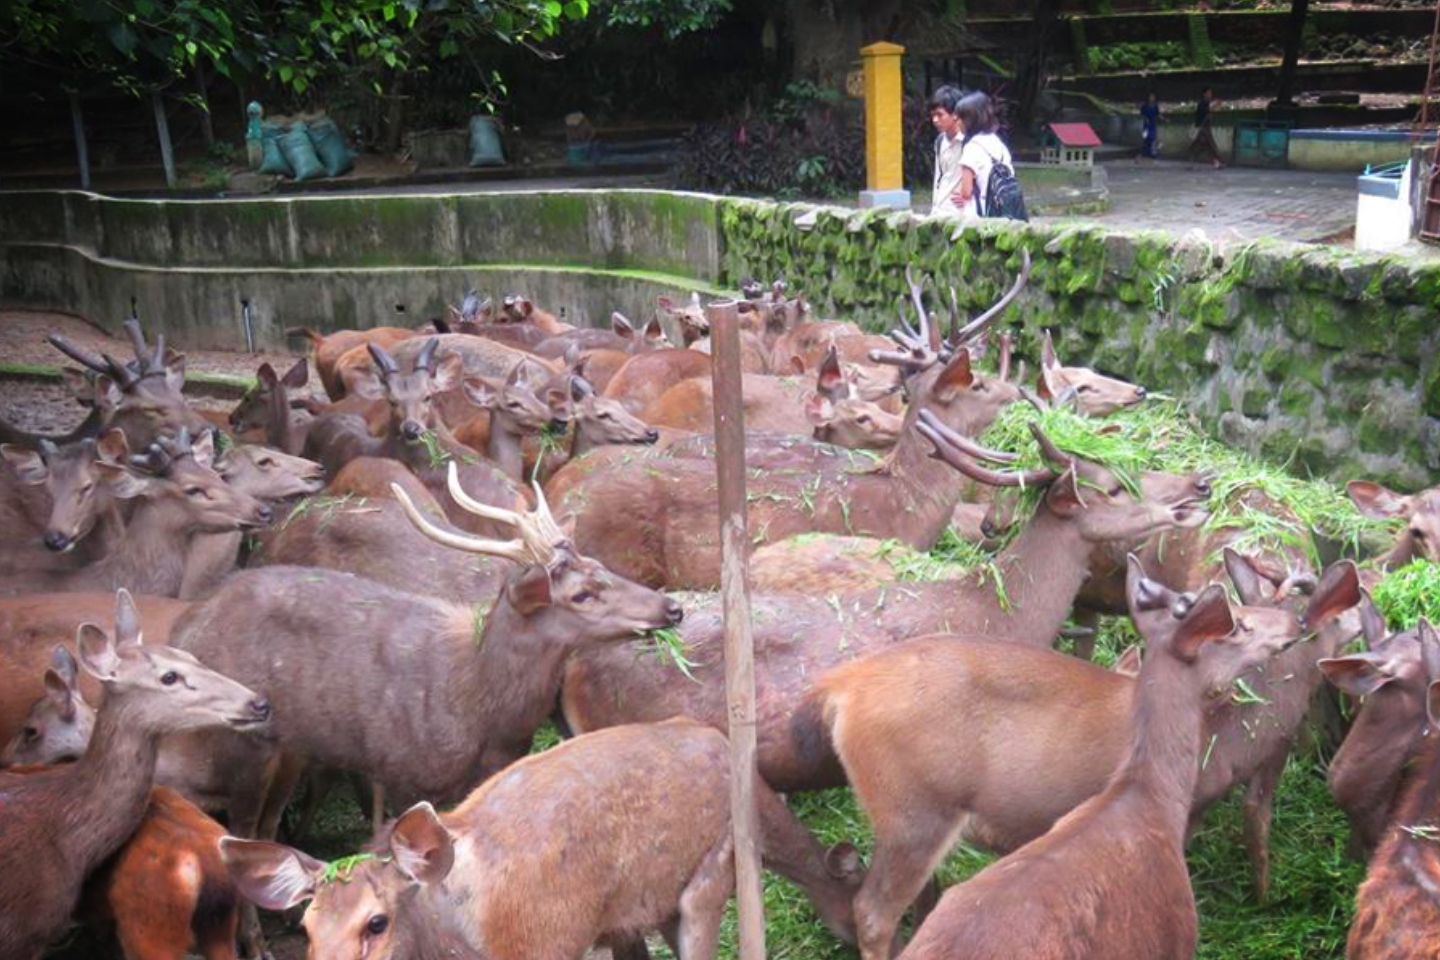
{"type": "Point", "coordinates": [1408, 594]}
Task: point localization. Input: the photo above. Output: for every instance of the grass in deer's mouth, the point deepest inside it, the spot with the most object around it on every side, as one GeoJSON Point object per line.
{"type": "Point", "coordinates": [667, 644]}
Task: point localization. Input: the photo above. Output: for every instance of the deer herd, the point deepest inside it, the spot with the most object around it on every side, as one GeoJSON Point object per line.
{"type": "Point", "coordinates": [500, 509]}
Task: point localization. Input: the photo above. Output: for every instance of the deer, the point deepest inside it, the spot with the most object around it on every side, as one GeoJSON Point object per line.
{"type": "Point", "coordinates": [1036, 733]}
{"type": "Point", "coordinates": [414, 420]}
{"type": "Point", "coordinates": [646, 376]}
{"type": "Point", "coordinates": [65, 822]}
{"type": "Point", "coordinates": [1110, 879]}
{"type": "Point", "coordinates": [143, 398]}
{"type": "Point", "coordinates": [645, 853]}
{"type": "Point", "coordinates": [516, 412]}
{"type": "Point", "coordinates": [622, 337]}
{"type": "Point", "coordinates": [1420, 537]}
{"type": "Point", "coordinates": [1392, 676]}
{"type": "Point", "coordinates": [180, 496]}
{"type": "Point", "coordinates": [659, 527]}
{"type": "Point", "coordinates": [1096, 395]}
{"type": "Point", "coordinates": [798, 637]}
{"type": "Point", "coordinates": [58, 500]}
{"type": "Point", "coordinates": [335, 356]}
{"type": "Point", "coordinates": [1395, 906]}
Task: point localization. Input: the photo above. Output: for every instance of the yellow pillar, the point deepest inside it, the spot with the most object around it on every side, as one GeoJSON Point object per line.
{"type": "Point", "coordinates": [884, 128]}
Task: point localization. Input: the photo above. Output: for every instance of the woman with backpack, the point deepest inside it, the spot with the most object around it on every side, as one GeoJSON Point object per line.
{"type": "Point", "coordinates": [974, 173]}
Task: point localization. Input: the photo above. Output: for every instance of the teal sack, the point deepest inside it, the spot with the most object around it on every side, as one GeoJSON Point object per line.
{"type": "Point", "coordinates": [330, 147]}
{"type": "Point", "coordinates": [300, 153]}
{"type": "Point", "coordinates": [485, 149]}
{"type": "Point", "coordinates": [272, 160]}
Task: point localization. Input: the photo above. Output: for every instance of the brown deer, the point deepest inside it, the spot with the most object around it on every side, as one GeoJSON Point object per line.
{"type": "Point", "coordinates": [1095, 395]}
{"type": "Point", "coordinates": [798, 637]}
{"type": "Point", "coordinates": [1110, 879]}
{"type": "Point", "coordinates": [416, 435]}
{"type": "Point", "coordinates": [330, 350]}
{"type": "Point", "coordinates": [646, 376]}
{"type": "Point", "coordinates": [180, 497]}
{"type": "Point", "coordinates": [1420, 538]}
{"type": "Point", "coordinates": [1392, 676]}
{"type": "Point", "coordinates": [643, 853]}
{"type": "Point", "coordinates": [143, 398]}
{"type": "Point", "coordinates": [517, 308]}
{"type": "Point", "coordinates": [65, 822]}
{"type": "Point", "coordinates": [1395, 906]}
{"type": "Point", "coordinates": [516, 412]}
{"type": "Point", "coordinates": [622, 337]}
{"type": "Point", "coordinates": [35, 624]}
{"type": "Point", "coordinates": [1009, 765]}
{"type": "Point", "coordinates": [59, 500]}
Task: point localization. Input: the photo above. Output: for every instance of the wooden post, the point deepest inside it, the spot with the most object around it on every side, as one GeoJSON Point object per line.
{"type": "Point", "coordinates": [167, 156]}
{"type": "Point", "coordinates": [724, 319]}
{"type": "Point", "coordinates": [81, 150]}
{"type": "Point", "coordinates": [884, 128]}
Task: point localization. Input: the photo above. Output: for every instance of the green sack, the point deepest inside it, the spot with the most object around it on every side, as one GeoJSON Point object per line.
{"type": "Point", "coordinates": [330, 147]}
{"type": "Point", "coordinates": [300, 153]}
{"type": "Point", "coordinates": [485, 150]}
{"type": "Point", "coordinates": [272, 160]}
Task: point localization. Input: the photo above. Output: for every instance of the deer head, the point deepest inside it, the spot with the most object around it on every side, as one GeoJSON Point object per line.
{"type": "Point", "coordinates": [690, 318]}
{"type": "Point", "coordinates": [79, 494]}
{"type": "Point", "coordinates": [411, 395]}
{"type": "Point", "coordinates": [58, 726]}
{"type": "Point", "coordinates": [164, 690]}
{"type": "Point", "coordinates": [840, 416]}
{"type": "Point", "coordinates": [1095, 394]}
{"type": "Point", "coordinates": [601, 420]}
{"type": "Point", "coordinates": [515, 406]}
{"type": "Point", "coordinates": [369, 910]}
{"type": "Point", "coordinates": [1421, 511]}
{"type": "Point", "coordinates": [178, 476]}
{"type": "Point", "coordinates": [142, 398]}
{"type": "Point", "coordinates": [254, 410]}
{"type": "Point", "coordinates": [268, 474]}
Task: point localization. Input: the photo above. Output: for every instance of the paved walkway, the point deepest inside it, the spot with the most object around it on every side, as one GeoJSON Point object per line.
{"type": "Point", "coordinates": [1233, 204]}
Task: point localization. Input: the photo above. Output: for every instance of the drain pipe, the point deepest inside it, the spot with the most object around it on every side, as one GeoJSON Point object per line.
{"type": "Point", "coordinates": [249, 326]}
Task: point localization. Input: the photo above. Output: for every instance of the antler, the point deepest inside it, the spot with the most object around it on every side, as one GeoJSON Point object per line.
{"type": "Point", "coordinates": [985, 319]}
{"type": "Point", "coordinates": [383, 361]}
{"type": "Point", "coordinates": [950, 447]}
{"type": "Point", "coordinates": [426, 359]}
{"type": "Point", "coordinates": [79, 356]}
{"type": "Point", "coordinates": [540, 537]}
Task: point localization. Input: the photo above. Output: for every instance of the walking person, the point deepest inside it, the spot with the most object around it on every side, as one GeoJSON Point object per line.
{"type": "Point", "coordinates": [1150, 128]}
{"type": "Point", "coordinates": [970, 122]}
{"type": "Point", "coordinates": [1204, 146]}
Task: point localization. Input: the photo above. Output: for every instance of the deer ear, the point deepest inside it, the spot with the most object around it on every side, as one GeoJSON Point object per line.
{"type": "Point", "coordinates": [1209, 618]}
{"type": "Point", "coordinates": [112, 447]}
{"type": "Point", "coordinates": [525, 307]}
{"type": "Point", "coordinates": [665, 303]}
{"type": "Point", "coordinates": [448, 373]}
{"type": "Point", "coordinates": [127, 619]}
{"type": "Point", "coordinates": [121, 481]}
{"type": "Point", "coordinates": [365, 383]}
{"type": "Point", "coordinates": [1141, 593]}
{"type": "Point", "coordinates": [479, 391]}
{"type": "Point", "coordinates": [1372, 622]}
{"type": "Point", "coordinates": [831, 382]}
{"type": "Point", "coordinates": [28, 465]}
{"type": "Point", "coordinates": [1377, 501]}
{"type": "Point", "coordinates": [296, 376]}
{"type": "Point", "coordinates": [1047, 352]}
{"type": "Point", "coordinates": [957, 375]}
{"type": "Point", "coordinates": [271, 875]}
{"type": "Point", "coordinates": [108, 394]}
{"type": "Point", "coordinates": [1128, 663]}
{"type": "Point", "coordinates": [654, 331]}
{"type": "Point", "coordinates": [266, 375]}
{"type": "Point", "coordinates": [621, 326]}
{"type": "Point", "coordinates": [1063, 497]}
{"type": "Point", "coordinates": [1249, 585]}
{"type": "Point", "coordinates": [174, 370]}
{"type": "Point", "coordinates": [1337, 591]}
{"type": "Point", "coordinates": [97, 652]}
{"type": "Point", "coordinates": [202, 451]}
{"type": "Point", "coordinates": [423, 849]}
{"type": "Point", "coordinates": [1432, 703]}
{"type": "Point", "coordinates": [59, 691]}
{"type": "Point", "coordinates": [531, 591]}
{"type": "Point", "coordinates": [1359, 674]}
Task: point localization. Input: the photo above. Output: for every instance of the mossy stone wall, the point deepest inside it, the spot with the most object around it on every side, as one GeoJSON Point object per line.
{"type": "Point", "coordinates": [1313, 355]}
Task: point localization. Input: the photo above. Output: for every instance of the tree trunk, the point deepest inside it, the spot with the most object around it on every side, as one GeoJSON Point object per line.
{"type": "Point", "coordinates": [162, 127]}
{"type": "Point", "coordinates": [1030, 71]}
{"type": "Point", "coordinates": [825, 40]}
{"type": "Point", "coordinates": [206, 127]}
{"type": "Point", "coordinates": [395, 116]}
{"type": "Point", "coordinates": [82, 152]}
{"type": "Point", "coordinates": [1294, 35]}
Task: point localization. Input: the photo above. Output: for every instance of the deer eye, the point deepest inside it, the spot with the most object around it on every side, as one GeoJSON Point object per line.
{"type": "Point", "coordinates": [863, 419]}
{"type": "Point", "coordinates": [194, 492]}
{"type": "Point", "coordinates": [265, 464]}
{"type": "Point", "coordinates": [1083, 388]}
{"type": "Point", "coordinates": [170, 678]}
{"type": "Point", "coordinates": [377, 925]}
{"type": "Point", "coordinates": [584, 596]}
{"type": "Point", "coordinates": [603, 416]}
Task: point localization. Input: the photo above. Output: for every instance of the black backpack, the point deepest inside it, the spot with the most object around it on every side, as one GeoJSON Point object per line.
{"type": "Point", "coordinates": [1003, 196]}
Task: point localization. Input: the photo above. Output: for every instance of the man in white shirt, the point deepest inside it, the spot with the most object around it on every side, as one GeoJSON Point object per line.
{"type": "Point", "coordinates": [948, 148]}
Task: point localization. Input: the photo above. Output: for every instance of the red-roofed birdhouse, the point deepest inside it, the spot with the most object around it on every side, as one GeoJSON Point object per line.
{"type": "Point", "coordinates": [1069, 145]}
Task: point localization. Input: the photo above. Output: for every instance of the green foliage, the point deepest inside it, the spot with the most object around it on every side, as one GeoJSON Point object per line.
{"type": "Point", "coordinates": [1149, 55]}
{"type": "Point", "coordinates": [1408, 594]}
{"type": "Point", "coordinates": [674, 17]}
{"type": "Point", "coordinates": [667, 644]}
{"type": "Point", "coordinates": [341, 871]}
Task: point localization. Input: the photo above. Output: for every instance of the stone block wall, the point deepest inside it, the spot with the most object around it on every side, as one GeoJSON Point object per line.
{"type": "Point", "coordinates": [1303, 354]}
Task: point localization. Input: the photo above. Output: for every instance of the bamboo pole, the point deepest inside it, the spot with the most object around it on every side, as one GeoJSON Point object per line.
{"type": "Point", "coordinates": [82, 151]}
{"type": "Point", "coordinates": [724, 319]}
{"type": "Point", "coordinates": [162, 127]}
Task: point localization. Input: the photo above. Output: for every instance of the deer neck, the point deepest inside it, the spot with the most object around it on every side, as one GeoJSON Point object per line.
{"type": "Point", "coordinates": [416, 455]}
{"type": "Point", "coordinates": [149, 555]}
{"type": "Point", "coordinates": [1042, 572]}
{"type": "Point", "coordinates": [503, 448]}
{"type": "Point", "coordinates": [1163, 763]}
{"type": "Point", "coordinates": [107, 790]}
{"type": "Point", "coordinates": [925, 490]}
{"type": "Point", "coordinates": [280, 431]}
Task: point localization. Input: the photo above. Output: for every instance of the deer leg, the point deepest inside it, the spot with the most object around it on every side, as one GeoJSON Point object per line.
{"type": "Point", "coordinates": [793, 852]}
{"type": "Point", "coordinates": [909, 845]}
{"type": "Point", "coordinates": [247, 810]}
{"type": "Point", "coordinates": [288, 774]}
{"type": "Point", "coordinates": [927, 900]}
{"type": "Point", "coordinates": [1258, 807]}
{"type": "Point", "coordinates": [702, 904]}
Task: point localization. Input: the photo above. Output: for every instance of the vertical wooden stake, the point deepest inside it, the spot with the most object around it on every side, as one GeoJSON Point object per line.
{"type": "Point", "coordinates": [81, 150]}
{"type": "Point", "coordinates": [167, 155]}
{"type": "Point", "coordinates": [724, 318]}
